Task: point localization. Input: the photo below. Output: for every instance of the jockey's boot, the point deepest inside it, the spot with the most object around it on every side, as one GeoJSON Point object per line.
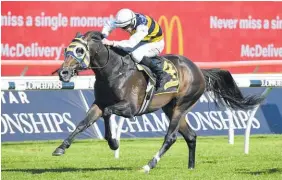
{"type": "Point", "coordinates": [156, 67]}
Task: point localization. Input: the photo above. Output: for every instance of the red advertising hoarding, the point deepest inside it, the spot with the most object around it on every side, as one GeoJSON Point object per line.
{"type": "Point", "coordinates": [202, 31]}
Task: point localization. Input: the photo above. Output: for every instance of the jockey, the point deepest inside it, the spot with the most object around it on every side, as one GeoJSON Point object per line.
{"type": "Point", "coordinates": [146, 40]}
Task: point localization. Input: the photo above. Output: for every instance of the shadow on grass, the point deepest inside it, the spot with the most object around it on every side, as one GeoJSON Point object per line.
{"type": "Point", "coordinates": [263, 171]}
{"type": "Point", "coordinates": [209, 162]}
{"type": "Point", "coordinates": [61, 170]}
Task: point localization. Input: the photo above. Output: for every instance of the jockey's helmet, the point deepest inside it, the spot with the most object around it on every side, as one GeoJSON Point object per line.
{"type": "Point", "coordinates": [125, 18]}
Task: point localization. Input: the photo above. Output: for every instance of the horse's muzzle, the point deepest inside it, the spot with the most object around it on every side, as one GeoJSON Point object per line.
{"type": "Point", "coordinates": [65, 74]}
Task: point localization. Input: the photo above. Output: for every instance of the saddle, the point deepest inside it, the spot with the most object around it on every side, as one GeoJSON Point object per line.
{"type": "Point", "coordinates": [170, 86]}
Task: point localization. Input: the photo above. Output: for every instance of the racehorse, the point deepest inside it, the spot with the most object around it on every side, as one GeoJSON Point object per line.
{"type": "Point", "coordinates": [121, 87]}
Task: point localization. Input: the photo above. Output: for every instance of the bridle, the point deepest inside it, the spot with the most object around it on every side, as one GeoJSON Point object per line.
{"type": "Point", "coordinates": [85, 44]}
{"type": "Point", "coordinates": [97, 52]}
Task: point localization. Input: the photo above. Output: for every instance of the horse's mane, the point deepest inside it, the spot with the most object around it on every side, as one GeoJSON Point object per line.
{"type": "Point", "coordinates": [95, 35]}
{"type": "Point", "coordinates": [98, 36]}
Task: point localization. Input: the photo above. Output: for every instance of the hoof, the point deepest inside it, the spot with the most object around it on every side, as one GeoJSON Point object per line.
{"type": "Point", "coordinates": [146, 169]}
{"type": "Point", "coordinates": [113, 144]}
{"type": "Point", "coordinates": [58, 152]}
{"type": "Point", "coordinates": [191, 168]}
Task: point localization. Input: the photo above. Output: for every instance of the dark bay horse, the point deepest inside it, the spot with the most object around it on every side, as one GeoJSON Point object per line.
{"type": "Point", "coordinates": [120, 89]}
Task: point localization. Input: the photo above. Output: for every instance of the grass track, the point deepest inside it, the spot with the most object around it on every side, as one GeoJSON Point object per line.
{"type": "Point", "coordinates": [92, 159]}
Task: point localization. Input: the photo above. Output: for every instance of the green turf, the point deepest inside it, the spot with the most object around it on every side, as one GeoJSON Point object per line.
{"type": "Point", "coordinates": [92, 159]}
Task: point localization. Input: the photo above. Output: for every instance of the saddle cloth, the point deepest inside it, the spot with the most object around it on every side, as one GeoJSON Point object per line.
{"type": "Point", "coordinates": [171, 84]}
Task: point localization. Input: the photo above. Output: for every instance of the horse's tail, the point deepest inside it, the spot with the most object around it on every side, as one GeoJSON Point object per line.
{"type": "Point", "coordinates": [222, 84]}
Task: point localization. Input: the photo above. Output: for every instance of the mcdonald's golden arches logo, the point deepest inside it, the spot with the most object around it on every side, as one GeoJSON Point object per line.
{"type": "Point", "coordinates": [168, 27]}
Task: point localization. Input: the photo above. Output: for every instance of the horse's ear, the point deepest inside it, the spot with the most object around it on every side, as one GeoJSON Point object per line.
{"type": "Point", "coordinates": [102, 36]}
{"type": "Point", "coordinates": [78, 34]}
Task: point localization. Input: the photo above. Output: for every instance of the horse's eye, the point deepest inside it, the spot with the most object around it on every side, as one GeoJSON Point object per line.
{"type": "Point", "coordinates": [79, 51]}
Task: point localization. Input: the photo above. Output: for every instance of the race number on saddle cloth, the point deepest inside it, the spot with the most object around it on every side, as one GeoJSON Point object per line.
{"type": "Point", "coordinates": [145, 43]}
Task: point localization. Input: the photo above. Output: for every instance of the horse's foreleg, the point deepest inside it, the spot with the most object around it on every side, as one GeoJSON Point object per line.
{"type": "Point", "coordinates": [112, 142]}
{"type": "Point", "coordinates": [92, 115]}
{"type": "Point", "coordinates": [122, 108]}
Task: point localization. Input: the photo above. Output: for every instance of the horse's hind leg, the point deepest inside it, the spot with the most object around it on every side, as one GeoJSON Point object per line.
{"type": "Point", "coordinates": [184, 129]}
{"type": "Point", "coordinates": [175, 113]}
{"type": "Point", "coordinates": [92, 115]}
{"type": "Point", "coordinates": [190, 138]}
{"type": "Point", "coordinates": [170, 138]}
